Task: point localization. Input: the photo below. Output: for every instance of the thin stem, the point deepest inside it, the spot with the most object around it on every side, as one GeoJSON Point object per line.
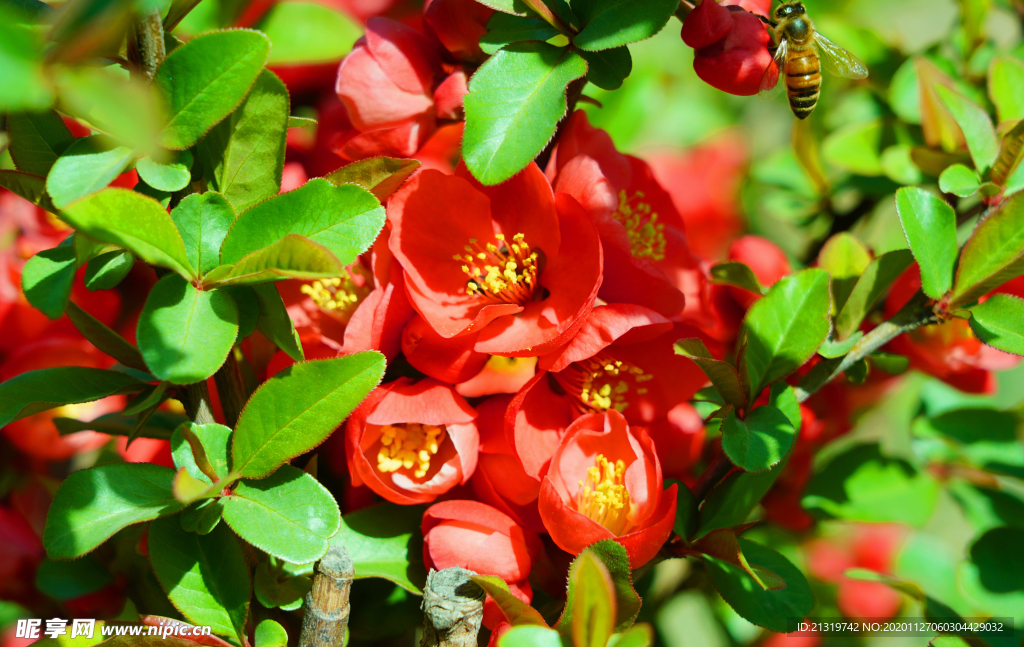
{"type": "Point", "coordinates": [715, 472]}
{"type": "Point", "coordinates": [327, 604]}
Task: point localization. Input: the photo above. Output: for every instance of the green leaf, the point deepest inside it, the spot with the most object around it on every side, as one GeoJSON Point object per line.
{"type": "Point", "coordinates": [288, 515]}
{"type": "Point", "coordinates": [170, 176]}
{"type": "Point", "coordinates": [767, 608]}
{"type": "Point", "coordinates": [613, 23]}
{"type": "Point", "coordinates": [724, 545]}
{"type": "Point", "coordinates": [132, 221]}
{"type": "Point", "coordinates": [300, 122]}
{"type": "Point", "coordinates": [48, 388]}
{"type": "Point", "coordinates": [384, 541]}
{"type": "Point", "coordinates": [159, 425]}
{"type": "Point", "coordinates": [830, 349]}
{"type": "Point", "coordinates": [530, 635]}
{"type": "Point", "coordinates": [515, 7]}
{"type": "Point", "coordinates": [976, 126]}
{"type": "Point", "coordinates": [205, 79]}
{"type": "Point", "coordinates": [293, 256]}
{"type": "Point", "coordinates": [185, 334]}
{"type": "Point", "coordinates": [687, 514]}
{"type": "Point", "coordinates": [243, 156]}
{"type": "Point", "coordinates": [248, 308]}
{"type": "Point", "coordinates": [960, 181]}
{"type": "Point", "coordinates": [213, 440]}
{"type": "Point", "coordinates": [104, 338]}
{"type": "Point", "coordinates": [783, 329]}
{"type": "Point", "coordinates": [783, 397]}
{"type": "Point", "coordinates": [997, 556]}
{"type": "Point", "coordinates": [112, 103]}
{"type": "Point", "coordinates": [187, 489]}
{"type": "Point", "coordinates": [307, 32]}
{"type": "Point", "coordinates": [890, 363]}
{"type": "Point", "coordinates": [31, 187]}
{"type": "Point", "coordinates": [87, 166]}
{"type": "Point", "coordinates": [992, 256]}
{"type": "Point", "coordinates": [1005, 78]}
{"type": "Point", "coordinates": [504, 28]}
{"type": "Point", "coordinates": [615, 559]}
{"type": "Point", "coordinates": [871, 286]}
{"type": "Point", "coordinates": [284, 590]}
{"type": "Point", "coordinates": [515, 101]}
{"type": "Point", "coordinates": [162, 197]}
{"type": "Point", "coordinates": [731, 501]}
{"type": "Point", "coordinates": [297, 409]}
{"type": "Point", "coordinates": [271, 634]}
{"type": "Point", "coordinates": [608, 68]}
{"type": "Point", "coordinates": [205, 576]}
{"type": "Point", "coordinates": [69, 580]}
{"type": "Point", "coordinates": [37, 140]}
{"type": "Point", "coordinates": [274, 322]}
{"type": "Point", "coordinates": [93, 504]}
{"type": "Point", "coordinates": [46, 280]}
{"type": "Point", "coordinates": [516, 611]}
{"type": "Point", "coordinates": [987, 508]}
{"type": "Point", "coordinates": [203, 220]}
{"type": "Point", "coordinates": [639, 635]}
{"type": "Point", "coordinates": [856, 147]}
{"type": "Point", "coordinates": [758, 442]}
{"type": "Point", "coordinates": [25, 86]}
{"type": "Point", "coordinates": [863, 485]}
{"type": "Point", "coordinates": [1005, 170]}
{"type": "Point", "coordinates": [845, 258]}
{"type": "Point", "coordinates": [929, 225]}
{"type": "Point", "coordinates": [738, 275]}
{"type": "Point", "coordinates": [202, 516]}
{"type": "Point", "coordinates": [381, 176]}
{"type": "Point", "coordinates": [999, 322]}
{"type": "Point", "coordinates": [145, 399]}
{"type": "Point", "coordinates": [107, 270]}
{"type": "Point", "coordinates": [589, 606]}
{"type": "Point", "coordinates": [344, 219]}
{"type": "Point", "coordinates": [722, 374]}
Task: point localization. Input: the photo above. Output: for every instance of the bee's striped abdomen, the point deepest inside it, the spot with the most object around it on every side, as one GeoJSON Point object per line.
{"type": "Point", "coordinates": [803, 81]}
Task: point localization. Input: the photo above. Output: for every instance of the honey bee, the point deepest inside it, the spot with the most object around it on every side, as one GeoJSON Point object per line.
{"type": "Point", "coordinates": [801, 53]}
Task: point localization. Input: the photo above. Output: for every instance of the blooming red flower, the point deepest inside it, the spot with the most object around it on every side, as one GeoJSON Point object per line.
{"type": "Point", "coordinates": [412, 441]}
{"type": "Point", "coordinates": [475, 536]}
{"type": "Point", "coordinates": [647, 261]}
{"type": "Point", "coordinates": [605, 483]}
{"type": "Point", "coordinates": [458, 24]}
{"type": "Point", "coordinates": [730, 47]}
{"type": "Point", "coordinates": [518, 266]}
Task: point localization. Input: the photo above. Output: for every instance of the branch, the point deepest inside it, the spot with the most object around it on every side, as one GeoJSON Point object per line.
{"type": "Point", "coordinates": [149, 39]}
{"type": "Point", "coordinates": [198, 407]}
{"type": "Point", "coordinates": [231, 388]}
{"type": "Point", "coordinates": [453, 608]}
{"type": "Point", "coordinates": [327, 604]}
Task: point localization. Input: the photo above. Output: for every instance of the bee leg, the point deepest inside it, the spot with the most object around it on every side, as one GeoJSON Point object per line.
{"type": "Point", "coordinates": [766, 21]}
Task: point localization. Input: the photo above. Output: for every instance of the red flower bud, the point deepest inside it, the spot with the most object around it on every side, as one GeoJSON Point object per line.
{"type": "Point", "coordinates": [731, 47]}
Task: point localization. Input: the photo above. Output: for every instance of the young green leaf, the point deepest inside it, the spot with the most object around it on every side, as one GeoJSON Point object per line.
{"type": "Point", "coordinates": [530, 635]}
{"type": "Point", "coordinates": [381, 176]}
{"type": "Point", "coordinates": [145, 399]}
{"type": "Point", "coordinates": [185, 334]}
{"type": "Point", "coordinates": [999, 322]}
{"type": "Point", "coordinates": [202, 516]}
{"type": "Point", "coordinates": [93, 504]}
{"type": "Point", "coordinates": [515, 101]}
{"type": "Point", "coordinates": [615, 560]}
{"type": "Point", "coordinates": [608, 68]}
{"type": "Point", "coordinates": [344, 219]}
{"type": "Point", "coordinates": [104, 338]}
{"type": "Point", "coordinates": [37, 140]}
{"type": "Point", "coordinates": [209, 443]}
{"type": "Point", "coordinates": [1011, 153]}
{"type": "Point", "coordinates": [759, 441]}
{"type": "Point", "coordinates": [845, 258]}
{"type": "Point", "coordinates": [48, 388]}
{"type": "Point", "coordinates": [132, 221]}
{"type": "Point", "coordinates": [243, 156]}
{"type": "Point", "coordinates": [288, 515]}
{"type": "Point", "coordinates": [767, 608]}
{"type": "Point", "coordinates": [960, 181]}
{"type": "Point", "coordinates": [1005, 78]}
{"type": "Point", "coordinates": [271, 634]}
{"type": "Point", "coordinates": [993, 254]}
{"type": "Point", "coordinates": [129, 111]}
{"type": "Point", "coordinates": [783, 329]}
{"type": "Point", "coordinates": [203, 220]}
{"type": "Point", "coordinates": [504, 28]}
{"type": "Point", "coordinates": [187, 489]}
{"type": "Point", "coordinates": [207, 78]}
{"type": "Point", "coordinates": [929, 225]}
{"type": "Point", "coordinates": [639, 635]}
{"type": "Point", "coordinates": [731, 501]}
{"type": "Point", "coordinates": [281, 590]}
{"type": "Point", "coordinates": [736, 274]}
{"type": "Point", "coordinates": [25, 86]}
{"type": "Point", "coordinates": [516, 611]}
{"type": "Point", "coordinates": [384, 541]}
{"type": "Point", "coordinates": [205, 576]}
{"type": "Point", "coordinates": [976, 126]}
{"type": "Point", "coordinates": [722, 374]}
{"type": "Point", "coordinates": [306, 33]}
{"type": "Point", "coordinates": [87, 166]}
{"type": "Point", "coordinates": [172, 175]}
{"type": "Point", "coordinates": [613, 23]}
{"type": "Point", "coordinates": [831, 349]}
{"type": "Point", "coordinates": [592, 604]}
{"type": "Point", "coordinates": [291, 257]}
{"type": "Point", "coordinates": [46, 280]}
{"type": "Point", "coordinates": [871, 286]}
{"type": "Point", "coordinates": [297, 409]}
{"type": "Point", "coordinates": [31, 187]}
{"type": "Point", "coordinates": [107, 270]}
{"type": "Point", "coordinates": [274, 322]}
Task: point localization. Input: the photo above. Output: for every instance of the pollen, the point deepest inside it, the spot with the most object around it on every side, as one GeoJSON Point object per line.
{"type": "Point", "coordinates": [603, 496]}
{"type": "Point", "coordinates": [645, 233]}
{"type": "Point", "coordinates": [409, 446]}
{"type": "Point", "coordinates": [340, 296]}
{"type": "Point", "coordinates": [602, 382]}
{"type": "Point", "coordinates": [500, 271]}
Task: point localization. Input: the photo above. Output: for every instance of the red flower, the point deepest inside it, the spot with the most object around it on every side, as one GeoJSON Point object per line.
{"type": "Point", "coordinates": [647, 261]}
{"type": "Point", "coordinates": [731, 47]}
{"type": "Point", "coordinates": [605, 483]}
{"type": "Point", "coordinates": [412, 441]}
{"type": "Point", "coordinates": [458, 24]}
{"type": "Point", "coordinates": [475, 536]}
{"type": "Point", "coordinates": [512, 264]}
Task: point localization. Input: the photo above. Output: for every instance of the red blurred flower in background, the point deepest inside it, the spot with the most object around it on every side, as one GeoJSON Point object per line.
{"type": "Point", "coordinates": [730, 47]}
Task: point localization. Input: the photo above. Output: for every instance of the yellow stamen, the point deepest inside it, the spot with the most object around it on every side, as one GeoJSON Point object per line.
{"type": "Point", "coordinates": [602, 382]}
{"type": "Point", "coordinates": [646, 237]}
{"type": "Point", "coordinates": [340, 296]}
{"type": "Point", "coordinates": [409, 446]}
{"type": "Point", "coordinates": [500, 272]}
{"type": "Point", "coordinates": [603, 496]}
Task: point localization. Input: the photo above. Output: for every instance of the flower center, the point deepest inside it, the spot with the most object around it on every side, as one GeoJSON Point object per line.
{"type": "Point", "coordinates": [646, 239]}
{"type": "Point", "coordinates": [409, 446]}
{"type": "Point", "coordinates": [603, 496]}
{"type": "Point", "coordinates": [339, 296]}
{"type": "Point", "coordinates": [603, 382]}
{"type": "Point", "coordinates": [500, 272]}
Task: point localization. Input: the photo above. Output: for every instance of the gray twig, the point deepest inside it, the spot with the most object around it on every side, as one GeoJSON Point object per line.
{"type": "Point", "coordinates": [453, 608]}
{"type": "Point", "coordinates": [327, 604]}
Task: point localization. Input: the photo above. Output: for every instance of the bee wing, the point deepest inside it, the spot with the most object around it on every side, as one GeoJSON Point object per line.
{"type": "Point", "coordinates": [770, 86]}
{"type": "Point", "coordinates": [837, 60]}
